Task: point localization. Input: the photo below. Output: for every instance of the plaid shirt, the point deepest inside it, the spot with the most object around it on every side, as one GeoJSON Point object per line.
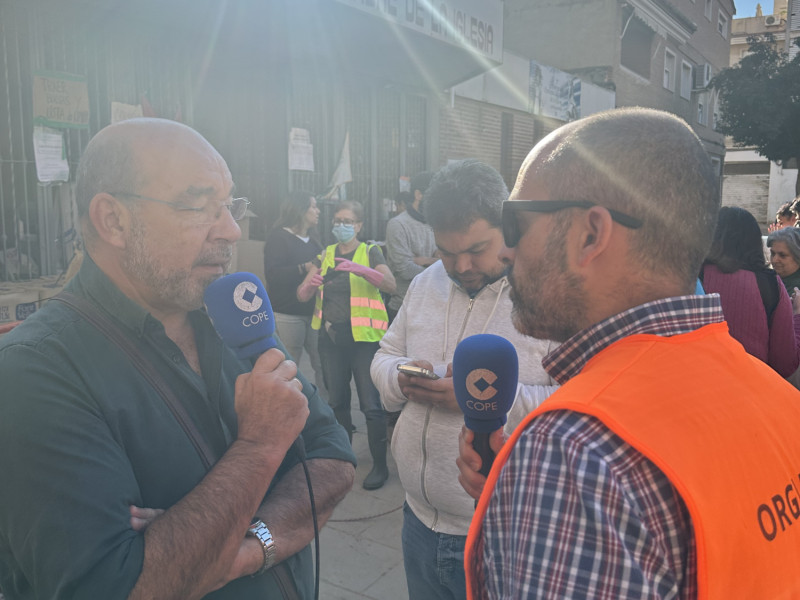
{"type": "Point", "coordinates": [577, 512]}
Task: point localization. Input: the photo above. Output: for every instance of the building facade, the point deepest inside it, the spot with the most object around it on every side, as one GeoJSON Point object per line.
{"type": "Point", "coordinates": [656, 53]}
{"type": "Point", "coordinates": [276, 86]}
{"type": "Point", "coordinates": [750, 180]}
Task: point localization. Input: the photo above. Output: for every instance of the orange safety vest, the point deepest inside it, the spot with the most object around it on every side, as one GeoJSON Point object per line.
{"type": "Point", "coordinates": [723, 427]}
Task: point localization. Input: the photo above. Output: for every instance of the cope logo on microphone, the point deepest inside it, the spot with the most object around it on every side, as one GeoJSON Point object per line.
{"type": "Point", "coordinates": [479, 384]}
{"type": "Point", "coordinates": [246, 297]}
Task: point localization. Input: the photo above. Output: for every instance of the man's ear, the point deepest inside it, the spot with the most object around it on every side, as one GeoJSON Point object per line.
{"type": "Point", "coordinates": [110, 219]}
{"type": "Point", "coordinates": [595, 235]}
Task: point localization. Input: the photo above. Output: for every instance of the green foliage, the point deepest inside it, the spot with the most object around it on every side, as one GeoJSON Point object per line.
{"type": "Point", "coordinates": [760, 100]}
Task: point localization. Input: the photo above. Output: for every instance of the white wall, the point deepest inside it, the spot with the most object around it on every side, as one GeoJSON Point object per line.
{"type": "Point", "coordinates": [507, 85]}
{"type": "Point", "coordinates": [781, 186]}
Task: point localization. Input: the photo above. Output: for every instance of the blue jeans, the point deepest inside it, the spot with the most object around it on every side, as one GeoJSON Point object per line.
{"type": "Point", "coordinates": [434, 562]}
{"type": "Point", "coordinates": [345, 359]}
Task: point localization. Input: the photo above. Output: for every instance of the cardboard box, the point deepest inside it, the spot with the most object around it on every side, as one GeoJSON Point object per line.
{"type": "Point", "coordinates": [18, 305]}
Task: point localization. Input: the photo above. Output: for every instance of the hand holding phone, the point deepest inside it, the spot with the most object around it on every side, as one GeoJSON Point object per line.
{"type": "Point", "coordinates": [414, 371]}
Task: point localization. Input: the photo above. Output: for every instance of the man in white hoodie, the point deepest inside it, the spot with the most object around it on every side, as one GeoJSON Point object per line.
{"type": "Point", "coordinates": [465, 293]}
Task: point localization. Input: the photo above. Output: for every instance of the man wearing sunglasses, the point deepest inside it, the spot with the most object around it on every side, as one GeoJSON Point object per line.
{"type": "Point", "coordinates": [463, 294]}
{"type": "Point", "coordinates": [621, 484]}
{"type": "Point", "coordinates": [104, 494]}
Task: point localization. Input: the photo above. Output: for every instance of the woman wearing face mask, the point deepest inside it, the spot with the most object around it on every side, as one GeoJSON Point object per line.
{"type": "Point", "coordinates": [351, 318]}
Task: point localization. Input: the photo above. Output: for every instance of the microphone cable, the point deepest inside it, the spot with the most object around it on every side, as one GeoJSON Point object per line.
{"type": "Point", "coordinates": [300, 449]}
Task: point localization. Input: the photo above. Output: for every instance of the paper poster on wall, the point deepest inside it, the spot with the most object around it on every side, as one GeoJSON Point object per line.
{"type": "Point", "coordinates": [60, 100]}
{"type": "Point", "coordinates": [50, 155]}
{"type": "Point", "coordinates": [553, 93]}
{"type": "Point", "coordinates": [301, 150]}
{"type": "Point", "coordinates": [122, 112]}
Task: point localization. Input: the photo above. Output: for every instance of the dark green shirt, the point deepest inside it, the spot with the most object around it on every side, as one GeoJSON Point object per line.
{"type": "Point", "coordinates": [791, 281]}
{"type": "Point", "coordinates": [83, 436]}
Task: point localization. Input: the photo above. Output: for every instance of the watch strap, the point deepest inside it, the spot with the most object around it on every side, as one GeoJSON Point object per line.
{"type": "Point", "coordinates": [260, 531]}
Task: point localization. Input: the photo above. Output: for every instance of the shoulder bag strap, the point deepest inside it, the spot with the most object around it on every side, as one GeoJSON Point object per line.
{"type": "Point", "coordinates": [107, 327]}
{"type": "Point", "coordinates": [770, 293]}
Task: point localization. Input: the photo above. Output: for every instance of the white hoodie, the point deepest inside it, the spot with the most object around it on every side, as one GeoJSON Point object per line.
{"type": "Point", "coordinates": [437, 314]}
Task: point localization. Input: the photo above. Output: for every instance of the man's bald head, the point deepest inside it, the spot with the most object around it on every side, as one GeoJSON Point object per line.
{"type": "Point", "coordinates": [646, 163]}
{"type": "Point", "coordinates": [123, 156]}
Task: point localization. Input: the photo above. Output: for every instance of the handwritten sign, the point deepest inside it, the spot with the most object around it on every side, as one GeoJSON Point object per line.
{"type": "Point", "coordinates": [60, 100]}
{"type": "Point", "coordinates": [122, 112]}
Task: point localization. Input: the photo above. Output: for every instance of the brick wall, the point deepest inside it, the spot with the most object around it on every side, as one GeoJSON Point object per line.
{"type": "Point", "coordinates": [750, 192]}
{"type": "Point", "coordinates": [472, 129]}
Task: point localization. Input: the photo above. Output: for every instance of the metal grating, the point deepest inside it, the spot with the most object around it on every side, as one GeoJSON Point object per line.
{"type": "Point", "coordinates": [36, 220]}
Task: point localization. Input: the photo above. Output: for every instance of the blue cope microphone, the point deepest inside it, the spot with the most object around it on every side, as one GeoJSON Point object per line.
{"type": "Point", "coordinates": [485, 373]}
{"type": "Point", "coordinates": [241, 313]}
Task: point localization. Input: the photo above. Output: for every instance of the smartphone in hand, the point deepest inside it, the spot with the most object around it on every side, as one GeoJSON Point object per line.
{"type": "Point", "coordinates": [415, 371]}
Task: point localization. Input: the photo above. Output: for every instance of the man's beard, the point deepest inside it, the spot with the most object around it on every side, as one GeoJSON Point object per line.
{"type": "Point", "coordinates": [177, 287]}
{"type": "Point", "coordinates": [549, 301]}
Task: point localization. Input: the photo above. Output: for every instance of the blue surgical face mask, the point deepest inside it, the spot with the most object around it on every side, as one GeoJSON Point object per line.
{"type": "Point", "coordinates": [344, 233]}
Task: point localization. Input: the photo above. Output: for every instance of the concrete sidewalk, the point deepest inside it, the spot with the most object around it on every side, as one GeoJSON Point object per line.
{"type": "Point", "coordinates": [360, 548]}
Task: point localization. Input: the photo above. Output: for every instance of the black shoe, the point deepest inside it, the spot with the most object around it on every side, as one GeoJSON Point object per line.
{"type": "Point", "coordinates": [376, 478]}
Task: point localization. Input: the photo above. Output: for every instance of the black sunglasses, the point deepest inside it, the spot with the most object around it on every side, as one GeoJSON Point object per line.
{"type": "Point", "coordinates": [512, 232]}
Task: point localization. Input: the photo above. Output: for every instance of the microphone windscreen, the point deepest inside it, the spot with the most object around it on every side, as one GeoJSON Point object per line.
{"type": "Point", "coordinates": [485, 373]}
{"type": "Point", "coordinates": [241, 313]}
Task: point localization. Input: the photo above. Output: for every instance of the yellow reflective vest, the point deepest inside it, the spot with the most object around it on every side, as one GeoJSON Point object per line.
{"type": "Point", "coordinates": [368, 318]}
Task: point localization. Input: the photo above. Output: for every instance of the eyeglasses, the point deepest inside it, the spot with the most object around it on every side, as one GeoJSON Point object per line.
{"type": "Point", "coordinates": [203, 215]}
{"type": "Point", "coordinates": [344, 222]}
{"type": "Point", "coordinates": [511, 229]}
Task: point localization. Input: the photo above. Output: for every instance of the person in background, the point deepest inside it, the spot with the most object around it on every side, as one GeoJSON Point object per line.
{"type": "Point", "coordinates": [351, 318]}
{"type": "Point", "coordinates": [464, 294]}
{"type": "Point", "coordinates": [785, 217]}
{"type": "Point", "coordinates": [401, 201]}
{"type": "Point", "coordinates": [756, 306]}
{"type": "Point", "coordinates": [619, 484]}
{"type": "Point", "coordinates": [410, 246]}
{"type": "Point", "coordinates": [289, 252]}
{"type": "Point", "coordinates": [784, 255]}
{"type": "Point", "coordinates": [795, 206]}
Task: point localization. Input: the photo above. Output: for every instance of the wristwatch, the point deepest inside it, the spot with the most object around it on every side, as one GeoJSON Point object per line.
{"type": "Point", "coordinates": [259, 531]}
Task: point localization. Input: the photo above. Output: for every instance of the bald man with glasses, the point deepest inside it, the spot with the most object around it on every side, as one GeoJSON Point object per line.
{"type": "Point", "coordinates": [110, 491]}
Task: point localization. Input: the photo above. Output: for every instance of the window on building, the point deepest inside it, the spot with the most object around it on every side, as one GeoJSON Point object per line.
{"type": "Point", "coordinates": [506, 148]}
{"type": "Point", "coordinates": [708, 9]}
{"type": "Point", "coordinates": [669, 69]}
{"type": "Point", "coordinates": [701, 108]}
{"type": "Point", "coordinates": [722, 25]}
{"type": "Point", "coordinates": [686, 80]}
{"type": "Point", "coordinates": [716, 163]}
{"type": "Point", "coordinates": [713, 110]}
{"type": "Point", "coordinates": [636, 46]}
